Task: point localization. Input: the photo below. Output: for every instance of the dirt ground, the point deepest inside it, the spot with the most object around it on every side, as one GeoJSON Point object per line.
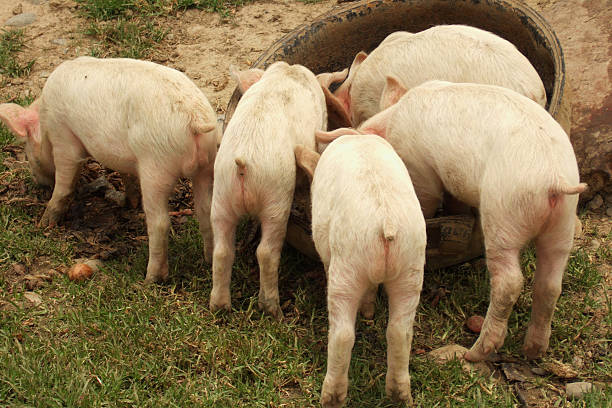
{"type": "Point", "coordinates": [202, 45]}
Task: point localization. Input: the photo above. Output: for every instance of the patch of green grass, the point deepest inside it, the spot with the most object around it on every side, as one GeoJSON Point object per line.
{"type": "Point", "coordinates": [112, 341]}
{"type": "Point", "coordinates": [11, 42]}
{"type": "Point", "coordinates": [133, 28]}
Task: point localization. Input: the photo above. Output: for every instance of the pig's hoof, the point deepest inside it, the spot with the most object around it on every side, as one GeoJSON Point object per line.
{"type": "Point", "coordinates": [480, 351]}
{"type": "Point", "coordinates": [367, 310]}
{"type": "Point", "coordinates": [218, 302]}
{"type": "Point", "coordinates": [536, 342]}
{"type": "Point", "coordinates": [48, 219]}
{"type": "Point", "coordinates": [271, 307]}
{"type": "Point", "coordinates": [333, 396]}
{"type": "Point", "coordinates": [155, 278]}
{"type": "Point", "coordinates": [399, 390]}
{"type": "Point", "coordinates": [533, 351]}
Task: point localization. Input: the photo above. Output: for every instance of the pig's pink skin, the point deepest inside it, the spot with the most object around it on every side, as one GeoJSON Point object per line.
{"type": "Point", "coordinates": [502, 153]}
{"type": "Point", "coordinates": [255, 171]}
{"type": "Point", "coordinates": [368, 229]}
{"type": "Point", "coordinates": [136, 117]}
{"type": "Point", "coordinates": [451, 52]}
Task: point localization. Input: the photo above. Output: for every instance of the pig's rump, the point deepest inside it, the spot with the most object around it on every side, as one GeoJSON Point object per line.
{"type": "Point", "coordinates": [124, 112]}
{"type": "Point", "coordinates": [484, 143]}
{"type": "Point", "coordinates": [363, 211]}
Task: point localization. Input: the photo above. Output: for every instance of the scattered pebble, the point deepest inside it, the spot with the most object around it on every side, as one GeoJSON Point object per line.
{"type": "Point", "coordinates": [80, 272]}
{"type": "Point", "coordinates": [596, 202]}
{"type": "Point", "coordinates": [59, 41]}
{"type": "Point", "coordinates": [117, 197]}
{"type": "Point", "coordinates": [577, 362]}
{"type": "Point", "coordinates": [609, 211]}
{"type": "Point", "coordinates": [18, 9]}
{"type": "Point", "coordinates": [474, 323]}
{"type": "Point", "coordinates": [578, 389]}
{"type": "Point", "coordinates": [595, 244]}
{"type": "Point", "coordinates": [33, 297]}
{"type": "Point", "coordinates": [21, 20]}
{"type": "Point", "coordinates": [83, 269]}
{"type": "Point", "coordinates": [538, 371]}
{"type": "Point", "coordinates": [44, 74]}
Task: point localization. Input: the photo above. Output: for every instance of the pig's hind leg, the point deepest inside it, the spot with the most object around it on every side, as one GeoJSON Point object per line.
{"type": "Point", "coordinates": [403, 294]}
{"type": "Point", "coordinates": [343, 299]}
{"type": "Point", "coordinates": [273, 231]}
{"type": "Point", "coordinates": [504, 236]}
{"type": "Point", "coordinates": [202, 192]}
{"type": "Point", "coordinates": [553, 246]}
{"type": "Point", "coordinates": [156, 189]}
{"type": "Point", "coordinates": [224, 224]}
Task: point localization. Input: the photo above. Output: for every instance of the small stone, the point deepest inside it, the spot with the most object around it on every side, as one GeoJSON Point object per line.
{"type": "Point", "coordinates": [19, 269]}
{"type": "Point", "coordinates": [18, 9]}
{"type": "Point", "coordinates": [36, 2]}
{"type": "Point", "coordinates": [44, 74]}
{"type": "Point", "coordinates": [474, 323]}
{"type": "Point", "coordinates": [596, 202]}
{"type": "Point", "coordinates": [21, 20]}
{"type": "Point", "coordinates": [577, 362]}
{"type": "Point", "coordinates": [609, 211]}
{"type": "Point", "coordinates": [538, 371]}
{"type": "Point", "coordinates": [117, 197]}
{"type": "Point", "coordinates": [594, 244]}
{"type": "Point", "coordinates": [59, 41]}
{"type": "Point", "coordinates": [80, 272]}
{"type": "Point", "coordinates": [578, 389]}
{"type": "Point", "coordinates": [33, 297]}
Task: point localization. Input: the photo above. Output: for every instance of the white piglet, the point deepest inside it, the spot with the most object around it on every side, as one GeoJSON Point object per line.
{"type": "Point", "coordinates": [368, 229]}
{"type": "Point", "coordinates": [501, 152]}
{"type": "Point", "coordinates": [135, 117]}
{"type": "Point", "coordinates": [453, 53]}
{"type": "Point", "coordinates": [255, 171]}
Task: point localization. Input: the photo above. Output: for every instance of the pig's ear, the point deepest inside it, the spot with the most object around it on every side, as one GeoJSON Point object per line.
{"type": "Point", "coordinates": [22, 122]}
{"type": "Point", "coordinates": [359, 58]}
{"type": "Point", "coordinates": [306, 159]}
{"type": "Point", "coordinates": [247, 78]}
{"type": "Point", "coordinates": [392, 92]}
{"type": "Point", "coordinates": [337, 112]}
{"type": "Point", "coordinates": [328, 137]}
{"type": "Point", "coordinates": [328, 78]}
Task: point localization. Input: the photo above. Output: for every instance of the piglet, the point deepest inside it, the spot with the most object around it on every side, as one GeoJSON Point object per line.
{"type": "Point", "coordinates": [135, 117]}
{"type": "Point", "coordinates": [453, 53]}
{"type": "Point", "coordinates": [255, 171]}
{"type": "Point", "coordinates": [368, 229]}
{"type": "Point", "coordinates": [501, 152]}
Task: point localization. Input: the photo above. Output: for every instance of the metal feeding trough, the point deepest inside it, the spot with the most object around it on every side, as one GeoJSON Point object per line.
{"type": "Point", "coordinates": [331, 41]}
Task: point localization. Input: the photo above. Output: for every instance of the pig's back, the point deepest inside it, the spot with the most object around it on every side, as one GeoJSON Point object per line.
{"type": "Point", "coordinates": [133, 105]}
{"type": "Point", "coordinates": [452, 53]}
{"type": "Point", "coordinates": [468, 131]}
{"type": "Point", "coordinates": [271, 118]}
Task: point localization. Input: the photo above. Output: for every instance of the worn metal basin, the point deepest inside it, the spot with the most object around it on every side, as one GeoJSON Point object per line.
{"type": "Point", "coordinates": [331, 41]}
